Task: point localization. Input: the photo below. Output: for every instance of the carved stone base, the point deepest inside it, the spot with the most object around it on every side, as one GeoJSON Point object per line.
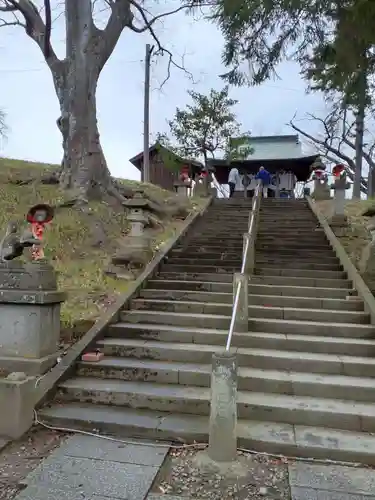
{"type": "Point", "coordinates": [133, 252]}
{"type": "Point", "coordinates": [29, 316]}
{"type": "Point", "coordinates": [337, 221]}
{"type": "Point", "coordinates": [201, 189]}
{"type": "Point", "coordinates": [321, 193]}
{"type": "Point", "coordinates": [367, 265]}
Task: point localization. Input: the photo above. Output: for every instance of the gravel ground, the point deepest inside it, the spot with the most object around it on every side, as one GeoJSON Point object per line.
{"type": "Point", "coordinates": [19, 458]}
{"type": "Point", "coordinates": [256, 477]}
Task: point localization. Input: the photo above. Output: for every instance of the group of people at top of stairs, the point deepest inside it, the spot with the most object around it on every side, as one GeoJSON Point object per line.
{"type": "Point", "coordinates": [286, 181]}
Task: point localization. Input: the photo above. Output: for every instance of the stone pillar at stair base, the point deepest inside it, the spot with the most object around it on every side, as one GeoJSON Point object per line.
{"type": "Point", "coordinates": [339, 187]}
{"type": "Point", "coordinates": [29, 317]}
{"type": "Point", "coordinates": [367, 262]}
{"type": "Point", "coordinates": [241, 323]}
{"type": "Point", "coordinates": [223, 417]}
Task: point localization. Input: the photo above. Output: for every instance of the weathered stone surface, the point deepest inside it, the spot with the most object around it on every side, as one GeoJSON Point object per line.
{"type": "Point", "coordinates": [17, 405]}
{"type": "Point", "coordinates": [29, 315]}
{"type": "Point", "coordinates": [40, 492]}
{"type": "Point", "coordinates": [332, 478]}
{"type": "Point", "coordinates": [156, 496]}
{"type": "Point", "coordinates": [35, 276]}
{"type": "Point", "coordinates": [140, 453]}
{"type": "Point", "coordinates": [99, 477]}
{"type": "Point", "coordinates": [299, 493]}
{"type": "Point", "coordinates": [321, 191]}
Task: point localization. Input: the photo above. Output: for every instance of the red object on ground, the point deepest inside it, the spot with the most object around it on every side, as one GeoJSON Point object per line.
{"type": "Point", "coordinates": [38, 226]}
{"type": "Point", "coordinates": [92, 356]}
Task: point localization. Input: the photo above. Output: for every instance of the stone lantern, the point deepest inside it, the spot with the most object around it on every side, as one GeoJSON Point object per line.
{"type": "Point", "coordinates": [339, 187]}
{"type": "Point", "coordinates": [135, 247]}
{"type": "Point", "coordinates": [367, 262]}
{"type": "Point", "coordinates": [320, 178]}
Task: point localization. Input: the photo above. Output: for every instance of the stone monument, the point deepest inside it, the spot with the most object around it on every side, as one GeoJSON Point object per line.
{"type": "Point", "coordinates": [367, 262]}
{"type": "Point", "coordinates": [340, 185]}
{"type": "Point", "coordinates": [135, 247]}
{"type": "Point", "coordinates": [29, 308]}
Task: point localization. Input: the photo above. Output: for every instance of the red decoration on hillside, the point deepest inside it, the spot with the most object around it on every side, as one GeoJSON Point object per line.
{"type": "Point", "coordinates": [38, 216]}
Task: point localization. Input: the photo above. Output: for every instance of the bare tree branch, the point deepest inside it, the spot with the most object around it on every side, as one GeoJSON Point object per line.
{"type": "Point", "coordinates": [33, 24]}
{"type": "Point", "coordinates": [327, 150]}
{"type": "Point", "coordinates": [47, 37]}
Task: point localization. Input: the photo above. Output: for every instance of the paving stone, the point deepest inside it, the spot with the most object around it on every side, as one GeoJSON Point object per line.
{"type": "Point", "coordinates": [102, 477]}
{"type": "Point", "coordinates": [156, 496]}
{"type": "Point", "coordinates": [144, 453]}
{"type": "Point", "coordinates": [335, 478]}
{"type": "Point", "coordinates": [299, 493]}
{"type": "Point", "coordinates": [46, 493]}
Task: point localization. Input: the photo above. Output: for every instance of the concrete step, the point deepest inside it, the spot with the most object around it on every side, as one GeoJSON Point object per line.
{"type": "Point", "coordinates": [235, 260]}
{"type": "Point", "coordinates": [261, 358]}
{"type": "Point", "coordinates": [341, 346]}
{"type": "Point", "coordinates": [306, 327]}
{"type": "Point", "coordinates": [273, 271]}
{"type": "Point", "coordinates": [249, 379]}
{"type": "Point", "coordinates": [264, 436]}
{"type": "Point", "coordinates": [222, 267]}
{"type": "Point", "coordinates": [314, 255]}
{"type": "Point", "coordinates": [295, 410]}
{"type": "Point", "coordinates": [270, 300]}
{"type": "Point", "coordinates": [277, 243]}
{"type": "Point", "coordinates": [287, 264]}
{"type": "Point", "coordinates": [272, 325]}
{"type": "Point", "coordinates": [255, 311]}
{"type": "Point", "coordinates": [169, 272]}
{"type": "Point", "coordinates": [183, 261]}
{"type": "Point", "coordinates": [198, 264]}
{"type": "Point", "coordinates": [284, 247]}
{"type": "Point", "coordinates": [272, 258]}
{"type": "Point", "coordinates": [257, 289]}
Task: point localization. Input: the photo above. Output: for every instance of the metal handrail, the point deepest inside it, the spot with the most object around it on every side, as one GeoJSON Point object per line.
{"type": "Point", "coordinates": [253, 215]}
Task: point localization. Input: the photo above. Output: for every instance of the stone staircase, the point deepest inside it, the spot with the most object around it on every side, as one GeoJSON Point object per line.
{"type": "Point", "coordinates": [306, 367]}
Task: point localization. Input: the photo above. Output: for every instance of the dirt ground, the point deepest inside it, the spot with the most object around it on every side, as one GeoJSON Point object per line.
{"type": "Point", "coordinates": [21, 457]}
{"type": "Point", "coordinates": [256, 477]}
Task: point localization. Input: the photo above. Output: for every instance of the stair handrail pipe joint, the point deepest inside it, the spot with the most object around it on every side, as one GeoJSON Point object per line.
{"type": "Point", "coordinates": [223, 408]}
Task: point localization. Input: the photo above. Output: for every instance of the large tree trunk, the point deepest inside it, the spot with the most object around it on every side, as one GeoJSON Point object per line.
{"type": "Point", "coordinates": [84, 169]}
{"type": "Point", "coordinates": [359, 130]}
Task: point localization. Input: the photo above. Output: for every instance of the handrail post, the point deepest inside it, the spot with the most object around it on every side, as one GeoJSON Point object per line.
{"type": "Point", "coordinates": [241, 283]}
{"type": "Point", "coordinates": [222, 445]}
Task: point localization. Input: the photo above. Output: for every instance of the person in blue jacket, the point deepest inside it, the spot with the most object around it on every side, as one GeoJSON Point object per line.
{"type": "Point", "coordinates": [264, 176]}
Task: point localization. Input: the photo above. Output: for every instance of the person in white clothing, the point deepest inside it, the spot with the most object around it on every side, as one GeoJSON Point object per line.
{"type": "Point", "coordinates": [233, 178]}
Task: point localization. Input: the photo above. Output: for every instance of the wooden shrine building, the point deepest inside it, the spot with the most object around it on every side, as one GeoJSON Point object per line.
{"type": "Point", "coordinates": [281, 155]}
{"type": "Point", "coordinates": [166, 166]}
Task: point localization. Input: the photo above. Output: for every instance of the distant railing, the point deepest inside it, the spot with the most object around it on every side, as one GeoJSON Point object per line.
{"type": "Point", "coordinates": [248, 260]}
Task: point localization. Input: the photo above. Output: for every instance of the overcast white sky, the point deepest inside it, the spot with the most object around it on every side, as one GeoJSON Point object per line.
{"type": "Point", "coordinates": [27, 94]}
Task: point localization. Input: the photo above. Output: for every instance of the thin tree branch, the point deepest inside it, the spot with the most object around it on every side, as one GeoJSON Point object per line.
{"type": "Point", "coordinates": [34, 26]}
{"type": "Point", "coordinates": [47, 36]}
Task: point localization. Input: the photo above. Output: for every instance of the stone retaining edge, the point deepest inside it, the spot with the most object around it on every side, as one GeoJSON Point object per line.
{"type": "Point", "coordinates": [352, 272]}
{"type": "Point", "coordinates": [62, 370]}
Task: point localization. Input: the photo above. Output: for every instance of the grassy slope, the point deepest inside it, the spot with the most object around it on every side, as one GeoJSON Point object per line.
{"type": "Point", "coordinates": [355, 237]}
{"type": "Point", "coordinates": [68, 244]}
